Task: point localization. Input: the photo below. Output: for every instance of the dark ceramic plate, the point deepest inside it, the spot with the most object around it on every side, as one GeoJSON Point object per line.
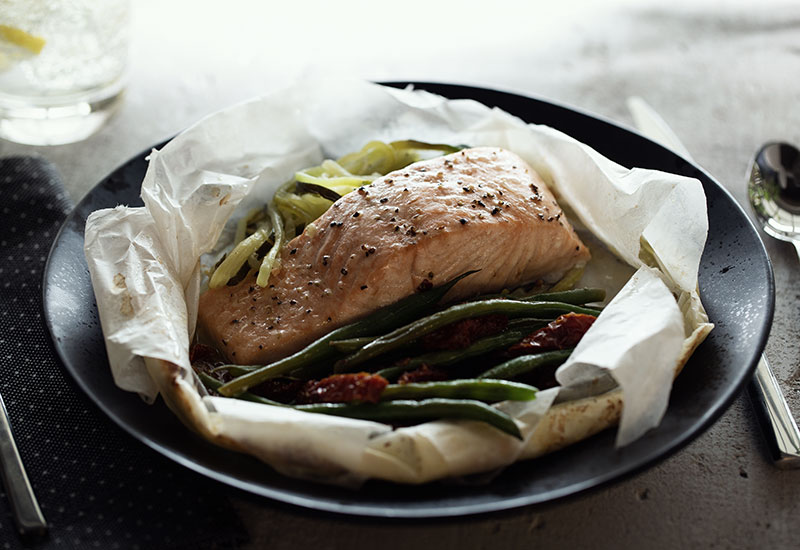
{"type": "Point", "coordinates": [735, 276]}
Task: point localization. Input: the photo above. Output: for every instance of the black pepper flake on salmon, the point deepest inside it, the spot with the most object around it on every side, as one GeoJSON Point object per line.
{"type": "Point", "coordinates": [356, 214]}
{"type": "Point", "coordinates": [325, 259]}
{"type": "Point", "coordinates": [250, 290]}
{"type": "Point", "coordinates": [293, 251]}
{"type": "Point", "coordinates": [344, 271]}
{"type": "Point", "coordinates": [426, 284]}
{"type": "Point", "coordinates": [363, 287]}
{"type": "Point", "coordinates": [293, 302]}
{"type": "Point", "coordinates": [462, 221]}
{"type": "Point", "coordinates": [495, 211]}
{"type": "Point", "coordinates": [384, 200]}
{"type": "Point", "coordinates": [411, 232]}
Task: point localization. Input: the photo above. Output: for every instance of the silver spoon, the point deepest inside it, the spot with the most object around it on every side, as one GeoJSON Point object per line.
{"type": "Point", "coordinates": [774, 191]}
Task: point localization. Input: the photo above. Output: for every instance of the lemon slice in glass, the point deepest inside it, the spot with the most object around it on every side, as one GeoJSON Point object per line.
{"type": "Point", "coordinates": [18, 37]}
{"type": "Point", "coordinates": [17, 45]}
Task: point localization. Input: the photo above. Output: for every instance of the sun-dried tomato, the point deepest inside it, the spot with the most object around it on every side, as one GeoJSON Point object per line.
{"type": "Point", "coordinates": [423, 374]}
{"type": "Point", "coordinates": [462, 334]}
{"type": "Point", "coordinates": [361, 387]}
{"type": "Point", "coordinates": [565, 332]}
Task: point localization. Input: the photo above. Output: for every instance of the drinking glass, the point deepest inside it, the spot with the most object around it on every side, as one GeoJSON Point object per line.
{"type": "Point", "coordinates": [62, 67]}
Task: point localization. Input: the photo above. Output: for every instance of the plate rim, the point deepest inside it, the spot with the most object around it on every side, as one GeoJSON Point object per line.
{"type": "Point", "coordinates": [307, 503]}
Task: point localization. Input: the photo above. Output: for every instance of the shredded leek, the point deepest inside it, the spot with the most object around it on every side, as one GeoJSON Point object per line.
{"type": "Point", "coordinates": [270, 261]}
{"type": "Point", "coordinates": [238, 256]}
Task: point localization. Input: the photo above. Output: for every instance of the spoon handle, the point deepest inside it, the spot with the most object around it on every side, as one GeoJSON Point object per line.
{"type": "Point", "coordinates": [778, 425]}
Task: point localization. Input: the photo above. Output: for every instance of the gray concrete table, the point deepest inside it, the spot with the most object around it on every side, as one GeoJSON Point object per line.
{"type": "Point", "coordinates": [725, 75]}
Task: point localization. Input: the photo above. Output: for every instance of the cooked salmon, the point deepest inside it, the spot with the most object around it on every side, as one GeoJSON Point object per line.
{"type": "Point", "coordinates": [481, 208]}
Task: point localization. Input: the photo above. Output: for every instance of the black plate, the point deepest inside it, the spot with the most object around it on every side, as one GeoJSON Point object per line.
{"type": "Point", "coordinates": [735, 276]}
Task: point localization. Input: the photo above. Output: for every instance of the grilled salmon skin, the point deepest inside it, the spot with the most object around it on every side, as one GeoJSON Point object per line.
{"type": "Point", "coordinates": [481, 208]}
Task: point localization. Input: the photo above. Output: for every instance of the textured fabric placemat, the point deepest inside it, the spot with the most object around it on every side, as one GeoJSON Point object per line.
{"type": "Point", "coordinates": [96, 485]}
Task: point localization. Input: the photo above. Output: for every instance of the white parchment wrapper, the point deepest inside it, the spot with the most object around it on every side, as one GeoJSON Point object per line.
{"type": "Point", "coordinates": [146, 273]}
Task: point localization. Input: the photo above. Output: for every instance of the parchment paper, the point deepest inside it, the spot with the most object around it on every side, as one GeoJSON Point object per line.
{"type": "Point", "coordinates": [235, 159]}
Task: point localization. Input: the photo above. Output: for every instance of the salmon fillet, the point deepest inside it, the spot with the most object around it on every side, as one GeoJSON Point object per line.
{"type": "Point", "coordinates": [481, 208]}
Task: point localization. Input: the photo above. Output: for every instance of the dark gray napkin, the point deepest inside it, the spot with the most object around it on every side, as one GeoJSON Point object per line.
{"type": "Point", "coordinates": [96, 485]}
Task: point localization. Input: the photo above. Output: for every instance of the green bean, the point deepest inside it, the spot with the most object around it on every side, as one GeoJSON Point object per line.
{"type": "Point", "coordinates": [429, 409]}
{"type": "Point", "coordinates": [386, 318]}
{"type": "Point", "coordinates": [213, 384]}
{"type": "Point", "coordinates": [448, 357]}
{"type": "Point", "coordinates": [481, 390]}
{"type": "Point", "coordinates": [421, 327]}
{"type": "Point", "coordinates": [350, 345]}
{"type": "Point", "coordinates": [517, 330]}
{"type": "Point", "coordinates": [527, 324]}
{"type": "Point", "coordinates": [525, 363]}
{"type": "Point", "coordinates": [577, 296]}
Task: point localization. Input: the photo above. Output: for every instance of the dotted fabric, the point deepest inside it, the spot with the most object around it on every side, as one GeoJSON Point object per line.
{"type": "Point", "coordinates": [97, 486]}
